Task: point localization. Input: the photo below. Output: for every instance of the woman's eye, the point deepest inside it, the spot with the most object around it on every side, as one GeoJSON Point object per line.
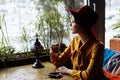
{"type": "Point", "coordinates": [72, 21]}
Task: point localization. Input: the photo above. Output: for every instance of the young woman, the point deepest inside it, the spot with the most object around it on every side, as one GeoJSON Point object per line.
{"type": "Point", "coordinates": [85, 51]}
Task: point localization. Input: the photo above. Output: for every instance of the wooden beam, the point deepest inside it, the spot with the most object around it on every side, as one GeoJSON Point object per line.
{"type": "Point", "coordinates": [99, 6]}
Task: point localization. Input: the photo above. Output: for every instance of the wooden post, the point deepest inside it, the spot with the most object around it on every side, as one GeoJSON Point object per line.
{"type": "Point", "coordinates": [99, 6]}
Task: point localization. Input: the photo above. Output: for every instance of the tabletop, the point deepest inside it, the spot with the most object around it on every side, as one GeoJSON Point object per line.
{"type": "Point", "coordinates": [27, 72]}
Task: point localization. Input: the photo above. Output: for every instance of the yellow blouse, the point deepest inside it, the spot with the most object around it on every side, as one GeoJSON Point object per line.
{"type": "Point", "coordinates": [86, 58]}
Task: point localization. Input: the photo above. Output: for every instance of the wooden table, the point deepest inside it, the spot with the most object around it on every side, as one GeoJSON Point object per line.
{"type": "Point", "coordinates": [26, 72]}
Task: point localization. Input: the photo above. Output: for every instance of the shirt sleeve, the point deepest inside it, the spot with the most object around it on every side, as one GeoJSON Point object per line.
{"type": "Point", "coordinates": [94, 66]}
{"type": "Point", "coordinates": [63, 57]}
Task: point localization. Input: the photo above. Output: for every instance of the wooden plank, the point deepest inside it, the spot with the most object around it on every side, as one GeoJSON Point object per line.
{"type": "Point", "coordinates": [115, 44]}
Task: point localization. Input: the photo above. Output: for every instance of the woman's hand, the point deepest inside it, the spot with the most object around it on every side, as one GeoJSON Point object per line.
{"type": "Point", "coordinates": [64, 70]}
{"type": "Point", "coordinates": [54, 48]}
{"type": "Point", "coordinates": [53, 55]}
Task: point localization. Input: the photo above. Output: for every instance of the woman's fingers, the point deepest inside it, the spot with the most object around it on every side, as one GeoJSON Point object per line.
{"type": "Point", "coordinates": [64, 70]}
{"type": "Point", "coordinates": [59, 69]}
{"type": "Point", "coordinates": [55, 48]}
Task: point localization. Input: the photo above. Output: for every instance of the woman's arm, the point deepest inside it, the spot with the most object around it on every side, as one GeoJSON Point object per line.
{"type": "Point", "coordinates": [60, 60]}
{"type": "Point", "coordinates": [64, 56]}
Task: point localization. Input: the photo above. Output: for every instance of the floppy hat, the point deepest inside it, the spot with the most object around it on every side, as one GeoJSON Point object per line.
{"type": "Point", "coordinates": [84, 16]}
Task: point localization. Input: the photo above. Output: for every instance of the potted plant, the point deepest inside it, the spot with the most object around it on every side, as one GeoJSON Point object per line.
{"type": "Point", "coordinates": [51, 24]}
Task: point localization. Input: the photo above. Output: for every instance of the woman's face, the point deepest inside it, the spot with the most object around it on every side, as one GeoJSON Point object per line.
{"type": "Point", "coordinates": [74, 27]}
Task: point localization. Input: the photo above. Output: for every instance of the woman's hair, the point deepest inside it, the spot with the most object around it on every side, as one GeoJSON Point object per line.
{"type": "Point", "coordinates": [85, 16]}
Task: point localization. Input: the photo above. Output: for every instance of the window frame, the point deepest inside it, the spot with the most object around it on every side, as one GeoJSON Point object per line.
{"type": "Point", "coordinates": [99, 29]}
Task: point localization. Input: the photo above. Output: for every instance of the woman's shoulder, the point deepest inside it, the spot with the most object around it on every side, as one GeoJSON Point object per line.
{"type": "Point", "coordinates": [76, 37]}
{"type": "Point", "coordinates": [99, 43]}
